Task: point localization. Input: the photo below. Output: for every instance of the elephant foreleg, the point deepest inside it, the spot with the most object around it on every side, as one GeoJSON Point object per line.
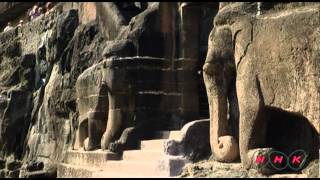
{"type": "Point", "coordinates": [116, 116]}
{"type": "Point", "coordinates": [95, 130]}
{"type": "Point", "coordinates": [81, 134]}
{"type": "Point", "coordinates": [252, 125]}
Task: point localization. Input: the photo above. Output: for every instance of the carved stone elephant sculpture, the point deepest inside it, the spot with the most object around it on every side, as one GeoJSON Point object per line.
{"type": "Point", "coordinates": [104, 96]}
{"type": "Point", "coordinates": [118, 102]}
{"type": "Point", "coordinates": [272, 59]}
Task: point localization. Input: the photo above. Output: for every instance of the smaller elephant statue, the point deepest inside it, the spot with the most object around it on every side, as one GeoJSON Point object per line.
{"type": "Point", "coordinates": [104, 91]}
{"type": "Point", "coordinates": [93, 108]}
{"type": "Point", "coordinates": [104, 103]}
{"type": "Point", "coordinates": [112, 104]}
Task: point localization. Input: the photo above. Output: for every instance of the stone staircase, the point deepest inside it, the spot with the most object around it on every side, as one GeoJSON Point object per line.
{"type": "Point", "coordinates": [151, 160]}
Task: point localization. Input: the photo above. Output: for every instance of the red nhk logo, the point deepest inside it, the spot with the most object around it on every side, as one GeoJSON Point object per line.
{"type": "Point", "coordinates": [281, 161]}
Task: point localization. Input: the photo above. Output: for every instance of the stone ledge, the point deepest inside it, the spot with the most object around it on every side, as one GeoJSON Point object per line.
{"type": "Point", "coordinates": [96, 158]}
{"type": "Point", "coordinates": [71, 171]}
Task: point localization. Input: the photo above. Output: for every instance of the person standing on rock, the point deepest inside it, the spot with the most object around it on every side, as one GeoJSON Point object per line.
{"type": "Point", "coordinates": [20, 23]}
{"type": "Point", "coordinates": [40, 11]}
{"type": "Point", "coordinates": [49, 7]}
{"type": "Point", "coordinates": [34, 13]}
{"type": "Point", "coordinates": [258, 8]}
{"type": "Point", "coordinates": [8, 27]}
{"type": "Point", "coordinates": [31, 13]}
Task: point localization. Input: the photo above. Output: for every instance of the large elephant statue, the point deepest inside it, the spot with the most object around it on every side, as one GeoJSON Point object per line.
{"type": "Point", "coordinates": [271, 56]}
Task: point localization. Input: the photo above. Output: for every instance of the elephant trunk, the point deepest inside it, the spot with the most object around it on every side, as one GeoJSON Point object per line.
{"type": "Point", "coordinates": [223, 145]}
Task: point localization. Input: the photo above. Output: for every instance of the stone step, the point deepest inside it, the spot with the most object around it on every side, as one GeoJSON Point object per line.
{"type": "Point", "coordinates": [167, 135]}
{"type": "Point", "coordinates": [157, 145]}
{"type": "Point", "coordinates": [290, 175]}
{"type": "Point", "coordinates": [75, 171]}
{"type": "Point", "coordinates": [142, 155]}
{"type": "Point", "coordinates": [111, 169]}
{"type": "Point", "coordinates": [133, 168]}
{"type": "Point", "coordinates": [168, 166]}
{"type": "Point", "coordinates": [122, 175]}
{"type": "Point", "coordinates": [95, 158]}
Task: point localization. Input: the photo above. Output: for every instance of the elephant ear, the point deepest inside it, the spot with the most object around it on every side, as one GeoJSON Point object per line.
{"type": "Point", "coordinates": [220, 45]}
{"type": "Point", "coordinates": [242, 40]}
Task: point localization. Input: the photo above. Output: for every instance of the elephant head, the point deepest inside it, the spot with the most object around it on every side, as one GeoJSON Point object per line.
{"type": "Point", "coordinates": [218, 75]}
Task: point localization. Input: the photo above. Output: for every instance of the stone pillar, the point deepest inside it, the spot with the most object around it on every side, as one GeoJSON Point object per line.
{"type": "Point", "coordinates": [170, 100]}
{"type": "Point", "coordinates": [168, 23]}
{"type": "Point", "coordinates": [187, 64]}
{"type": "Point", "coordinates": [190, 26]}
